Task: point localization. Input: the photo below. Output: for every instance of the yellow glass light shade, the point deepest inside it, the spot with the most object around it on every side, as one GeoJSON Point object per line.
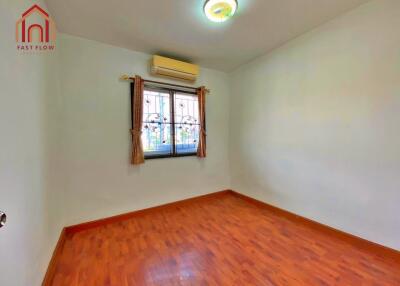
{"type": "Point", "coordinates": [220, 10]}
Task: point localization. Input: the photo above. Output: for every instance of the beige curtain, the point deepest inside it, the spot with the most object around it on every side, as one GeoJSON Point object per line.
{"type": "Point", "coordinates": [137, 117]}
{"type": "Point", "coordinates": [201, 150]}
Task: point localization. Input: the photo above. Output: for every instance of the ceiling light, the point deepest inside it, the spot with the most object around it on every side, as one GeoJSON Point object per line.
{"type": "Point", "coordinates": [220, 10]}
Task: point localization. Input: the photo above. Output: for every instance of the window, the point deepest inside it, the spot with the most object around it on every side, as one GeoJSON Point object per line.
{"type": "Point", "coordinates": [170, 123]}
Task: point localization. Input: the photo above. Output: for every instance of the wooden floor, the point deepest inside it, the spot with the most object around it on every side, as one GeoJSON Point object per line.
{"type": "Point", "coordinates": [221, 240]}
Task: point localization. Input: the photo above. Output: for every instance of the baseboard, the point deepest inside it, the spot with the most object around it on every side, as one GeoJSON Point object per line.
{"type": "Point", "coordinates": [91, 224]}
{"type": "Point", "coordinates": [51, 269]}
{"type": "Point", "coordinates": [356, 241]}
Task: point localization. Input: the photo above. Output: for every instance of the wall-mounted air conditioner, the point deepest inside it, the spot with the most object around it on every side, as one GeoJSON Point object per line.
{"type": "Point", "coordinates": [174, 69]}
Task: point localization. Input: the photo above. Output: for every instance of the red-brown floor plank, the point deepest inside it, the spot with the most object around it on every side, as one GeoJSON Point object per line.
{"type": "Point", "coordinates": [223, 240]}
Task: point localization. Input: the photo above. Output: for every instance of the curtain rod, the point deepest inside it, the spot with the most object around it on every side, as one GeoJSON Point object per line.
{"type": "Point", "coordinates": [127, 77]}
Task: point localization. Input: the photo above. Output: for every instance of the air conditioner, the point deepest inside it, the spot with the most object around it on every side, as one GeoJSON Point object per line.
{"type": "Point", "coordinates": [174, 69]}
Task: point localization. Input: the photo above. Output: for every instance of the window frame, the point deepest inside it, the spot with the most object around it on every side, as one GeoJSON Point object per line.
{"type": "Point", "coordinates": [171, 92]}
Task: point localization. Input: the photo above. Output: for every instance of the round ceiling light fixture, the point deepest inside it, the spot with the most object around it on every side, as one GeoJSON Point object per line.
{"type": "Point", "coordinates": [220, 10]}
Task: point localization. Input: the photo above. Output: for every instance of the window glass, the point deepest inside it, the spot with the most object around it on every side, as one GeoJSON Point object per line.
{"type": "Point", "coordinates": [170, 123]}
{"type": "Point", "coordinates": [156, 128]}
{"type": "Point", "coordinates": [186, 123]}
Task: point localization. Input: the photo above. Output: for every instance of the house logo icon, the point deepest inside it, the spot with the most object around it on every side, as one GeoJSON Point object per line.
{"type": "Point", "coordinates": [35, 30]}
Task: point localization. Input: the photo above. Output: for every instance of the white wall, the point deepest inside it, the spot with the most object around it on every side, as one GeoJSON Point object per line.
{"type": "Point", "coordinates": [315, 124]}
{"type": "Point", "coordinates": [96, 112]}
{"type": "Point", "coordinates": [28, 99]}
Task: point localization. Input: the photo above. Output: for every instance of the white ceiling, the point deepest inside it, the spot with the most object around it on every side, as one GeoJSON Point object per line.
{"type": "Point", "coordinates": [178, 28]}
